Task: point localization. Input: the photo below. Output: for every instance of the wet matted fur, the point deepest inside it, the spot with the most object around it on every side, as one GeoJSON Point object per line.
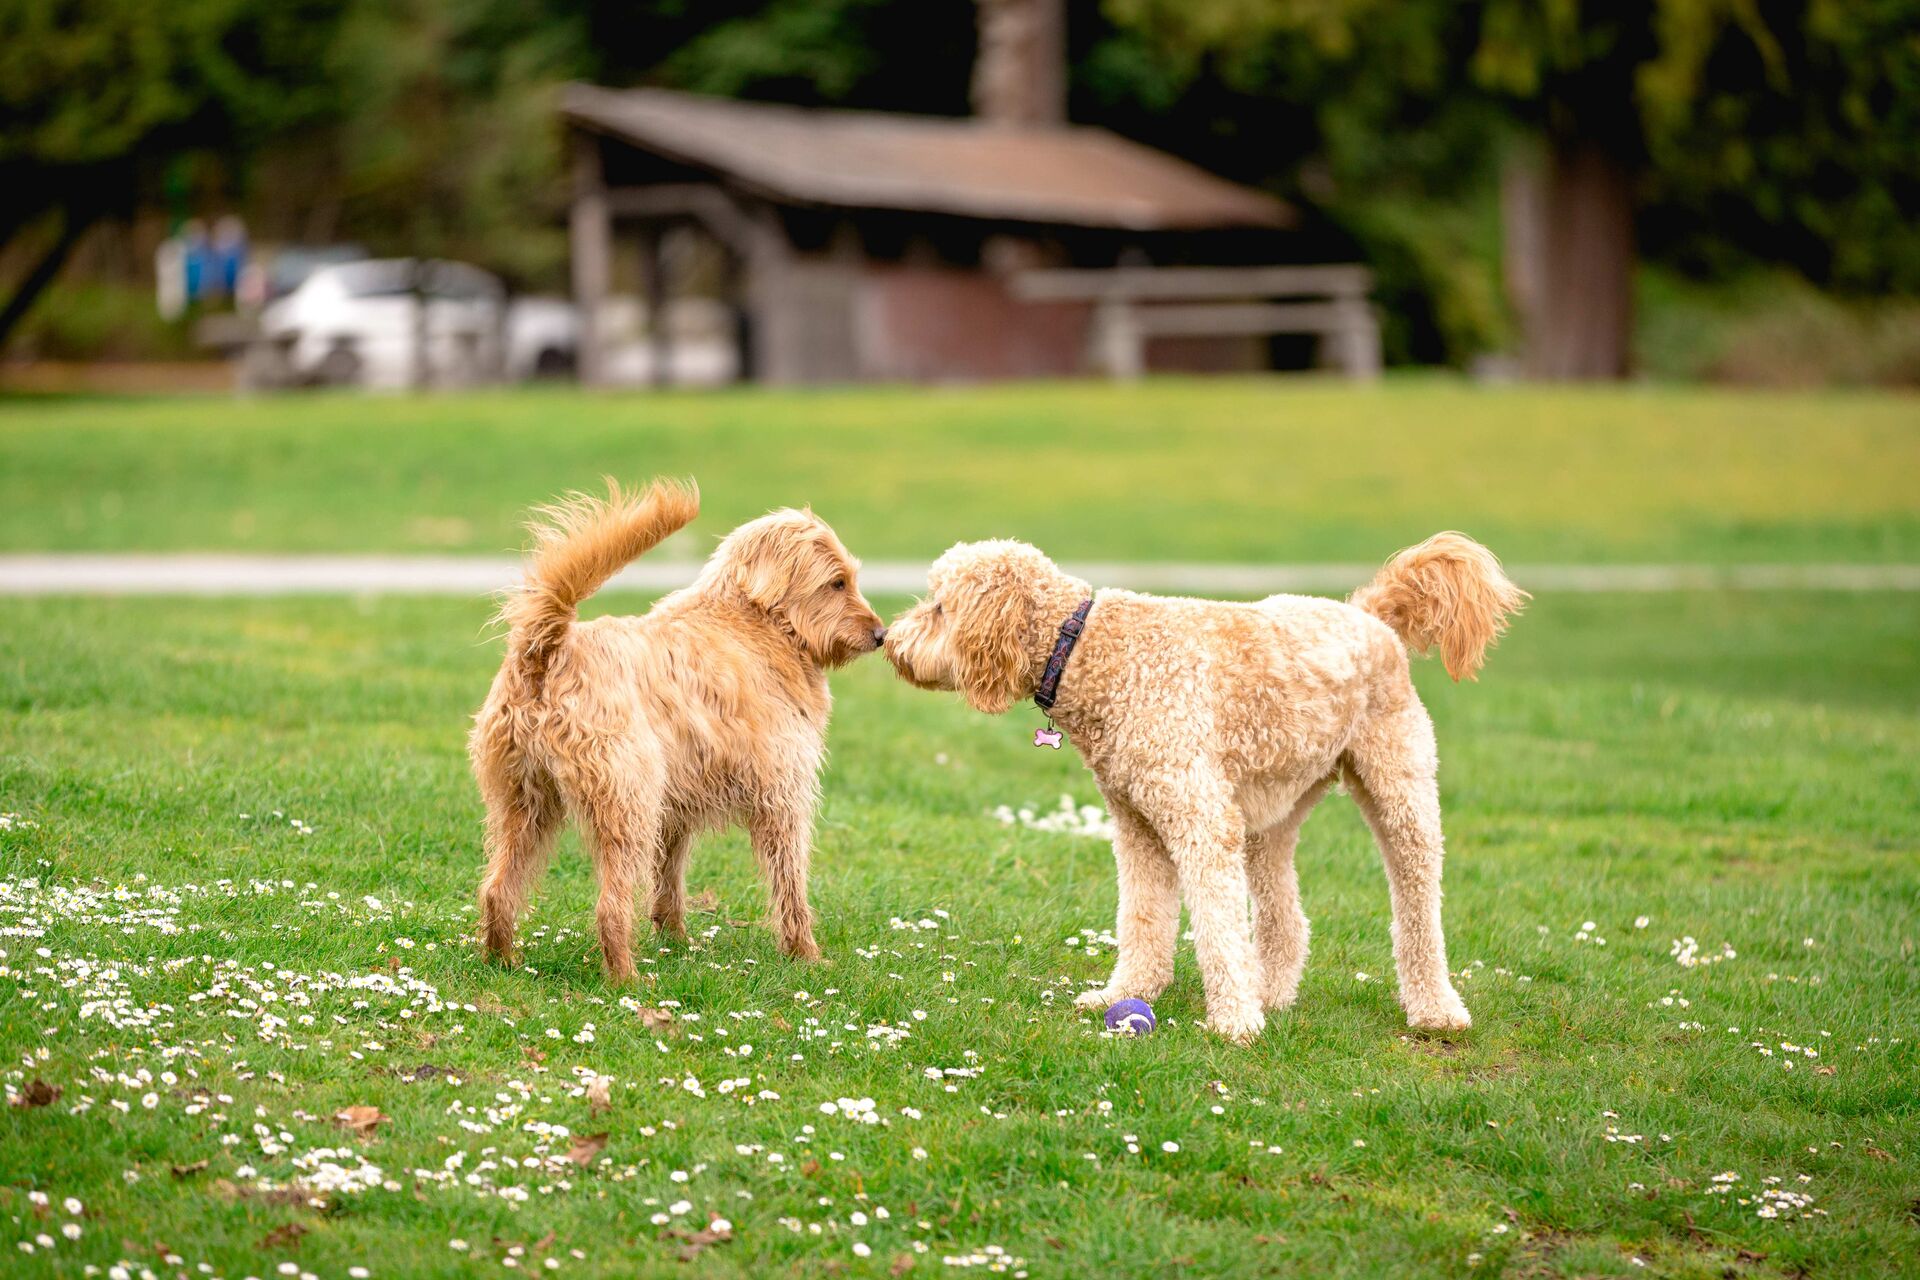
{"type": "Point", "coordinates": [1213, 729]}
{"type": "Point", "coordinates": [708, 710]}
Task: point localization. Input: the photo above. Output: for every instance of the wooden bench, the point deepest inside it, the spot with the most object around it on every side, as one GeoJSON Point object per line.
{"type": "Point", "coordinates": [1134, 304]}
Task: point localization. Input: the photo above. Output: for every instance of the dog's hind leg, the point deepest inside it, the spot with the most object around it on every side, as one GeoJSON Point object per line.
{"type": "Point", "coordinates": [523, 813]}
{"type": "Point", "coordinates": [618, 795]}
{"type": "Point", "coordinates": [670, 882]}
{"type": "Point", "coordinates": [1148, 922]}
{"type": "Point", "coordinates": [1391, 769]}
{"type": "Point", "coordinates": [1280, 926]}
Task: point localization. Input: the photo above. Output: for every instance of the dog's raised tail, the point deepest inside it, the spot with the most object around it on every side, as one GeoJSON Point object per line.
{"type": "Point", "coordinates": [1448, 591]}
{"type": "Point", "coordinates": [578, 543]}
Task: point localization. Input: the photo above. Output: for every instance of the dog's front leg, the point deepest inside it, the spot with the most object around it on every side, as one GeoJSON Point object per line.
{"type": "Point", "coordinates": [782, 832]}
{"type": "Point", "coordinates": [1206, 837]}
{"type": "Point", "coordinates": [1148, 923]}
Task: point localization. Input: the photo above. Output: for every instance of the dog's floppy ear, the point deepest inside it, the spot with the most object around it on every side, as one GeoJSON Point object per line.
{"type": "Point", "coordinates": [991, 608]}
{"type": "Point", "coordinates": [767, 559]}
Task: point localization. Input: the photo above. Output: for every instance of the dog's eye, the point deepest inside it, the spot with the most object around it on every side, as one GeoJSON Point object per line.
{"type": "Point", "coordinates": [839, 584]}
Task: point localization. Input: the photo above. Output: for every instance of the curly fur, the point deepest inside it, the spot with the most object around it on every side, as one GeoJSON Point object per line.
{"type": "Point", "coordinates": [708, 710]}
{"type": "Point", "coordinates": [578, 543]}
{"type": "Point", "coordinates": [1213, 729]}
{"type": "Point", "coordinates": [1448, 591]}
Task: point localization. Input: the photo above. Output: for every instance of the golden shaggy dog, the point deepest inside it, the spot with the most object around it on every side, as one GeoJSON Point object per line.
{"type": "Point", "coordinates": [1213, 729]}
{"type": "Point", "coordinates": [708, 710]}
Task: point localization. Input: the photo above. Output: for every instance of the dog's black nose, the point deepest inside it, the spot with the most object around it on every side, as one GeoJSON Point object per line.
{"type": "Point", "coordinates": [879, 636]}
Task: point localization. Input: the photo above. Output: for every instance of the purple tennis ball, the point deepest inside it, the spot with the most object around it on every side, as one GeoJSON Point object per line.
{"type": "Point", "coordinates": [1131, 1018]}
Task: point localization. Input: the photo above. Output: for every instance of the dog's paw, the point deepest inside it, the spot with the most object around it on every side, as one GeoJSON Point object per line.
{"type": "Point", "coordinates": [620, 975]}
{"type": "Point", "coordinates": [1098, 999]}
{"type": "Point", "coordinates": [1280, 997]}
{"type": "Point", "coordinates": [1447, 1016]}
{"type": "Point", "coordinates": [1242, 1026]}
{"type": "Point", "coordinates": [803, 951]}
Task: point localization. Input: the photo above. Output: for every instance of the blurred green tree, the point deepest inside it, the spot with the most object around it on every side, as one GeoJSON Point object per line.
{"type": "Point", "coordinates": [98, 96]}
{"type": "Point", "coordinates": [1710, 129]}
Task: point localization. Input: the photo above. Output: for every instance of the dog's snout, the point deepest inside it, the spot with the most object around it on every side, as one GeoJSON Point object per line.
{"type": "Point", "coordinates": [879, 636]}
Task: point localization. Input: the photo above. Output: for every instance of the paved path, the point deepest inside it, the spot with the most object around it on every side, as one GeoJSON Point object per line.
{"type": "Point", "coordinates": [279, 575]}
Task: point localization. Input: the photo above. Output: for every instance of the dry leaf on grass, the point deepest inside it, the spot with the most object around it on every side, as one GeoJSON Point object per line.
{"type": "Point", "coordinates": [188, 1170]}
{"type": "Point", "coordinates": [655, 1019]}
{"type": "Point", "coordinates": [228, 1190]}
{"type": "Point", "coordinates": [1825, 1071]}
{"type": "Point", "coordinates": [37, 1093]}
{"type": "Point", "coordinates": [600, 1093]}
{"type": "Point", "coordinates": [585, 1149]}
{"type": "Point", "coordinates": [360, 1120]}
{"type": "Point", "coordinates": [697, 1241]}
{"type": "Point", "coordinates": [280, 1237]}
{"type": "Point", "coordinates": [902, 1263]}
{"type": "Point", "coordinates": [706, 902]}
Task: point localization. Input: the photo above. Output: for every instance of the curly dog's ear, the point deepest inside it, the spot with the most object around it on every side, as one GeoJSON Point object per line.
{"type": "Point", "coordinates": [991, 608]}
{"type": "Point", "coordinates": [770, 560]}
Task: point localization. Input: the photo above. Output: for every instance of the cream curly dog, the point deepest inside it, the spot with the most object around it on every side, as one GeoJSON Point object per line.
{"type": "Point", "coordinates": [1213, 729]}
{"type": "Point", "coordinates": [710, 709]}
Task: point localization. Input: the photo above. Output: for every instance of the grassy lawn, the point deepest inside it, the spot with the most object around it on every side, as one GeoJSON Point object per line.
{"type": "Point", "coordinates": [1239, 470]}
{"type": "Point", "coordinates": [240, 848]}
{"type": "Point", "coordinates": [207, 982]}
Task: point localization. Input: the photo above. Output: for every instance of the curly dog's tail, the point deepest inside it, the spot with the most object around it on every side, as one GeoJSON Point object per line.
{"type": "Point", "coordinates": [1448, 591]}
{"type": "Point", "coordinates": [578, 543]}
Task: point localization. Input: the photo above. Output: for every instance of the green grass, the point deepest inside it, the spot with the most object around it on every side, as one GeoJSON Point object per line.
{"type": "Point", "coordinates": [1239, 470]}
{"type": "Point", "coordinates": [1735, 768]}
{"type": "Point", "coordinates": [1740, 769]}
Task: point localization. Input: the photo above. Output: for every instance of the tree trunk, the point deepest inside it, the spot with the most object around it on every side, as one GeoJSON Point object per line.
{"type": "Point", "coordinates": [1020, 66]}
{"type": "Point", "coordinates": [1569, 255]}
{"type": "Point", "coordinates": [72, 227]}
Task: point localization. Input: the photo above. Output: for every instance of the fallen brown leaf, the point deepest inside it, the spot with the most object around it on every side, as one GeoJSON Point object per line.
{"type": "Point", "coordinates": [1877, 1153]}
{"type": "Point", "coordinates": [281, 1236]}
{"type": "Point", "coordinates": [279, 1196]}
{"type": "Point", "coordinates": [697, 1242]}
{"type": "Point", "coordinates": [188, 1170]}
{"type": "Point", "coordinates": [361, 1120]}
{"type": "Point", "coordinates": [533, 1054]}
{"type": "Point", "coordinates": [1825, 1071]}
{"type": "Point", "coordinates": [706, 902]}
{"type": "Point", "coordinates": [810, 1168]}
{"type": "Point", "coordinates": [585, 1149]}
{"type": "Point", "coordinates": [37, 1093]}
{"type": "Point", "coordinates": [902, 1263]}
{"type": "Point", "coordinates": [600, 1093]}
